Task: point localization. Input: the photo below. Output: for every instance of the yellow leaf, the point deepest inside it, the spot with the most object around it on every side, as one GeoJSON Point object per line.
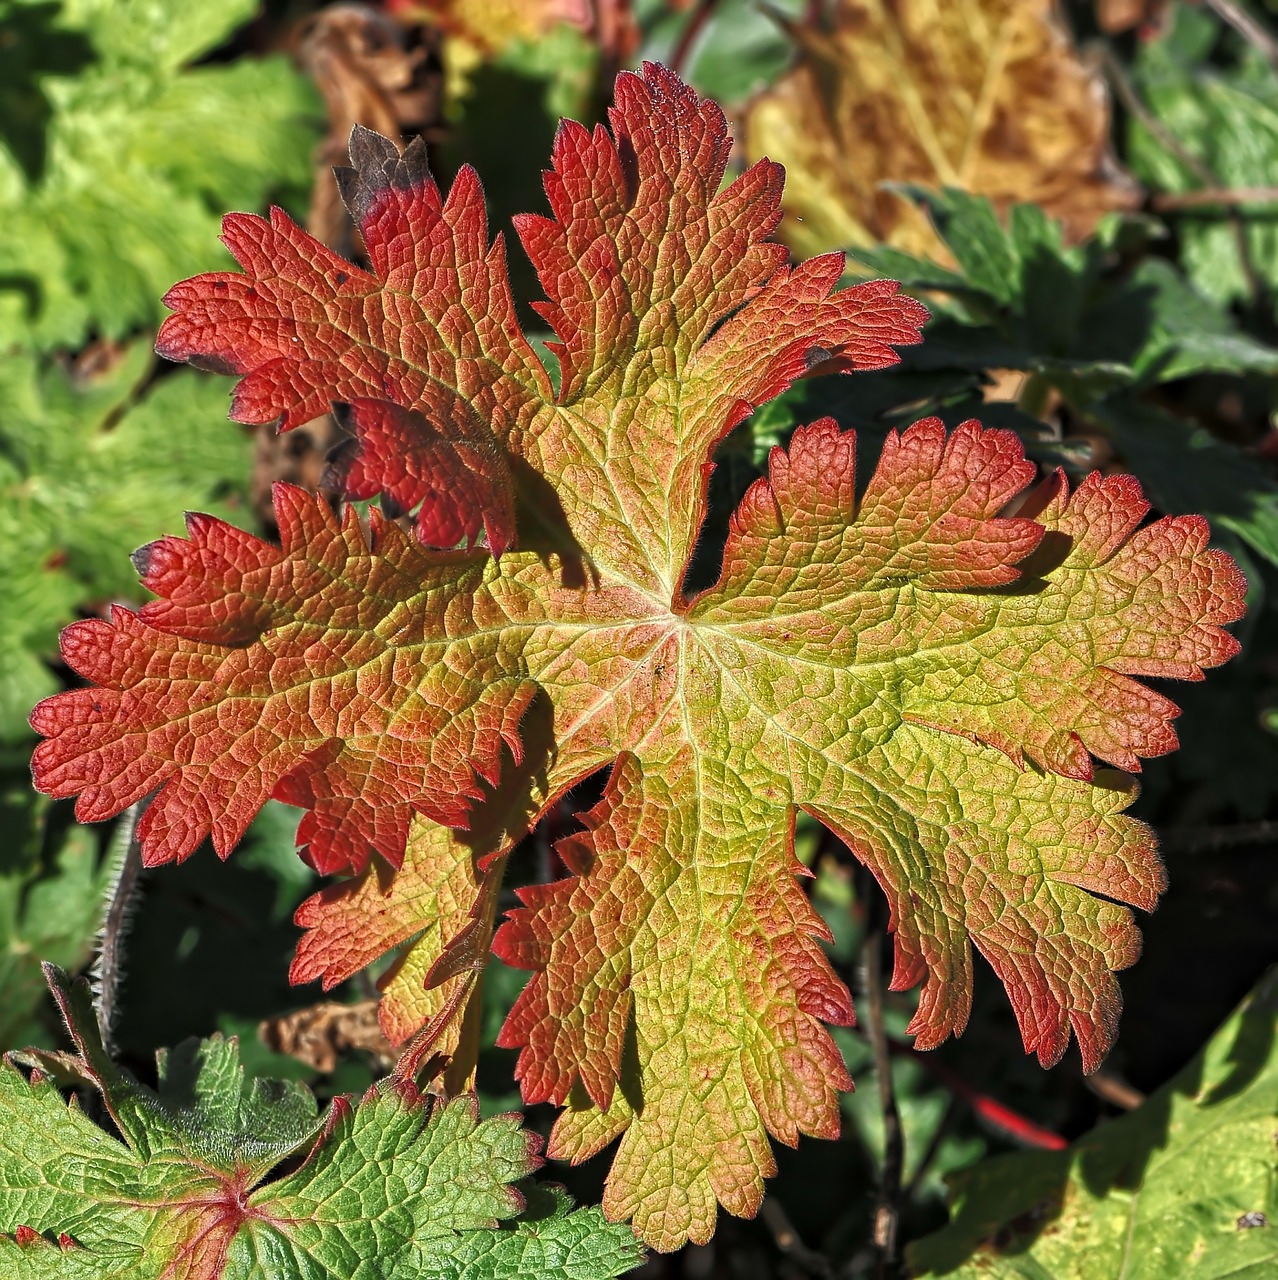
{"type": "Point", "coordinates": [986, 95]}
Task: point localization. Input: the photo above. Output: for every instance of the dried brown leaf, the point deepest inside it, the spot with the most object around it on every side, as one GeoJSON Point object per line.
{"type": "Point", "coordinates": [986, 95]}
{"type": "Point", "coordinates": [1114, 16]}
{"type": "Point", "coordinates": [324, 1033]}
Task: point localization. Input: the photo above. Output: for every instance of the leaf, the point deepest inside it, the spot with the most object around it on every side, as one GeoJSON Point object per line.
{"type": "Point", "coordinates": [51, 888]}
{"type": "Point", "coordinates": [988, 96]}
{"type": "Point", "coordinates": [1182, 1186]}
{"type": "Point", "coordinates": [141, 153]}
{"type": "Point", "coordinates": [90, 466]}
{"type": "Point", "coordinates": [400, 1181]}
{"type": "Point", "coordinates": [1026, 300]}
{"type": "Point", "coordinates": [926, 676]}
{"type": "Point", "coordinates": [1222, 112]}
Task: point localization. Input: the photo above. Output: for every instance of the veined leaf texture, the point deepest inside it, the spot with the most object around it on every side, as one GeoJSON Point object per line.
{"type": "Point", "coordinates": [925, 669]}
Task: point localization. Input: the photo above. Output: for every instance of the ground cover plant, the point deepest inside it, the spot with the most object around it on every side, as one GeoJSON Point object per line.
{"type": "Point", "coordinates": [650, 650]}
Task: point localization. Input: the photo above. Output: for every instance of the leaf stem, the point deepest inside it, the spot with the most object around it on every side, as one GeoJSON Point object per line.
{"type": "Point", "coordinates": [790, 1243]}
{"type": "Point", "coordinates": [1118, 79]}
{"type": "Point", "coordinates": [1174, 201]}
{"type": "Point", "coordinates": [688, 36]}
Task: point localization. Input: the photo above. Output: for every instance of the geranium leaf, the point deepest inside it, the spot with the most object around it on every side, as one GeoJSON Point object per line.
{"type": "Point", "coordinates": [927, 674]}
{"type": "Point", "coordinates": [398, 1185]}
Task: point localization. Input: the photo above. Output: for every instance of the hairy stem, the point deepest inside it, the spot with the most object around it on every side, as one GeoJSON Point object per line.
{"type": "Point", "coordinates": [124, 866]}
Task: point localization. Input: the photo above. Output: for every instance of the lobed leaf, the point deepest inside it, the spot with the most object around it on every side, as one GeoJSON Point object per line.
{"type": "Point", "coordinates": [911, 661]}
{"type": "Point", "coordinates": [398, 1185]}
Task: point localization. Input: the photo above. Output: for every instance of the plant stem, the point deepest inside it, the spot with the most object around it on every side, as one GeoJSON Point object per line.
{"type": "Point", "coordinates": [124, 863]}
{"type": "Point", "coordinates": [688, 36]}
{"type": "Point", "coordinates": [790, 1243]}
{"type": "Point", "coordinates": [888, 1210]}
{"type": "Point", "coordinates": [1173, 201]}
{"type": "Point", "coordinates": [1247, 26]}
{"type": "Point", "coordinates": [1117, 76]}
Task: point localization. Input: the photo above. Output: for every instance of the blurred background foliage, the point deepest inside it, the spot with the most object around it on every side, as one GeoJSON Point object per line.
{"type": "Point", "coordinates": [1086, 194]}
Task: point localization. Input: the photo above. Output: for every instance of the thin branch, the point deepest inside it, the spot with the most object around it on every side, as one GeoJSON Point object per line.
{"type": "Point", "coordinates": [688, 36]}
{"type": "Point", "coordinates": [1114, 1090]}
{"type": "Point", "coordinates": [1119, 81]}
{"type": "Point", "coordinates": [1247, 26]}
{"type": "Point", "coordinates": [790, 1243]}
{"type": "Point", "coordinates": [988, 1108]}
{"type": "Point", "coordinates": [888, 1211]}
{"type": "Point", "coordinates": [124, 867]}
{"type": "Point", "coordinates": [1172, 201]}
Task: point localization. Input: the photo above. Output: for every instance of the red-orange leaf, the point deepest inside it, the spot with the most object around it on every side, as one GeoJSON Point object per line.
{"type": "Point", "coordinates": [924, 672]}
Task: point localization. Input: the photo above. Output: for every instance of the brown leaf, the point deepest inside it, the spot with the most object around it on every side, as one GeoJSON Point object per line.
{"type": "Point", "coordinates": [986, 95]}
{"type": "Point", "coordinates": [372, 71]}
{"type": "Point", "coordinates": [1113, 16]}
{"type": "Point", "coordinates": [325, 1032]}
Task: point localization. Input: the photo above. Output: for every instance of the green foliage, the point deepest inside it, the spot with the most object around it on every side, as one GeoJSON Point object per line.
{"type": "Point", "coordinates": [51, 887]}
{"type": "Point", "coordinates": [1101, 336]}
{"type": "Point", "coordinates": [398, 1185]}
{"type": "Point", "coordinates": [94, 463]}
{"type": "Point", "coordinates": [1219, 126]}
{"type": "Point", "coordinates": [1185, 1185]}
{"type": "Point", "coordinates": [117, 157]}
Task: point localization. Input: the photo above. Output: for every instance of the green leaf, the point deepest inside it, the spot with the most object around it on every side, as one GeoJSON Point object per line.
{"type": "Point", "coordinates": [399, 1186]}
{"type": "Point", "coordinates": [93, 465]}
{"type": "Point", "coordinates": [1022, 299]}
{"type": "Point", "coordinates": [1169, 1190]}
{"type": "Point", "coordinates": [116, 162]}
{"type": "Point", "coordinates": [51, 890]}
{"type": "Point", "coordinates": [1227, 117]}
{"type": "Point", "coordinates": [1181, 332]}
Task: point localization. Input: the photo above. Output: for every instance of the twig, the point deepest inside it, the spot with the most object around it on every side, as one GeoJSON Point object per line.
{"type": "Point", "coordinates": [888, 1211]}
{"type": "Point", "coordinates": [790, 1243]}
{"type": "Point", "coordinates": [1171, 201]}
{"type": "Point", "coordinates": [1114, 1090]}
{"type": "Point", "coordinates": [1247, 26]}
{"type": "Point", "coordinates": [1117, 76]}
{"type": "Point", "coordinates": [124, 867]}
{"type": "Point", "coordinates": [1215, 839]}
{"type": "Point", "coordinates": [688, 36]}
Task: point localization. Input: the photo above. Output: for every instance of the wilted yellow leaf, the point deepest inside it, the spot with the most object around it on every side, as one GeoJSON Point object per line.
{"type": "Point", "coordinates": [987, 95]}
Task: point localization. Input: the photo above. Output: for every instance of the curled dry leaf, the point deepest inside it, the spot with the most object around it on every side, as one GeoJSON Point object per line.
{"type": "Point", "coordinates": [986, 95]}
{"type": "Point", "coordinates": [323, 1033]}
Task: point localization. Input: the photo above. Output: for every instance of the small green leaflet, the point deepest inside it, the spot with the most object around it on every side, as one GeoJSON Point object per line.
{"type": "Point", "coordinates": [396, 1186]}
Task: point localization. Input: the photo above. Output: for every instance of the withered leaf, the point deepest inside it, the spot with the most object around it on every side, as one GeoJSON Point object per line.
{"type": "Point", "coordinates": [986, 95]}
{"type": "Point", "coordinates": [321, 1034]}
